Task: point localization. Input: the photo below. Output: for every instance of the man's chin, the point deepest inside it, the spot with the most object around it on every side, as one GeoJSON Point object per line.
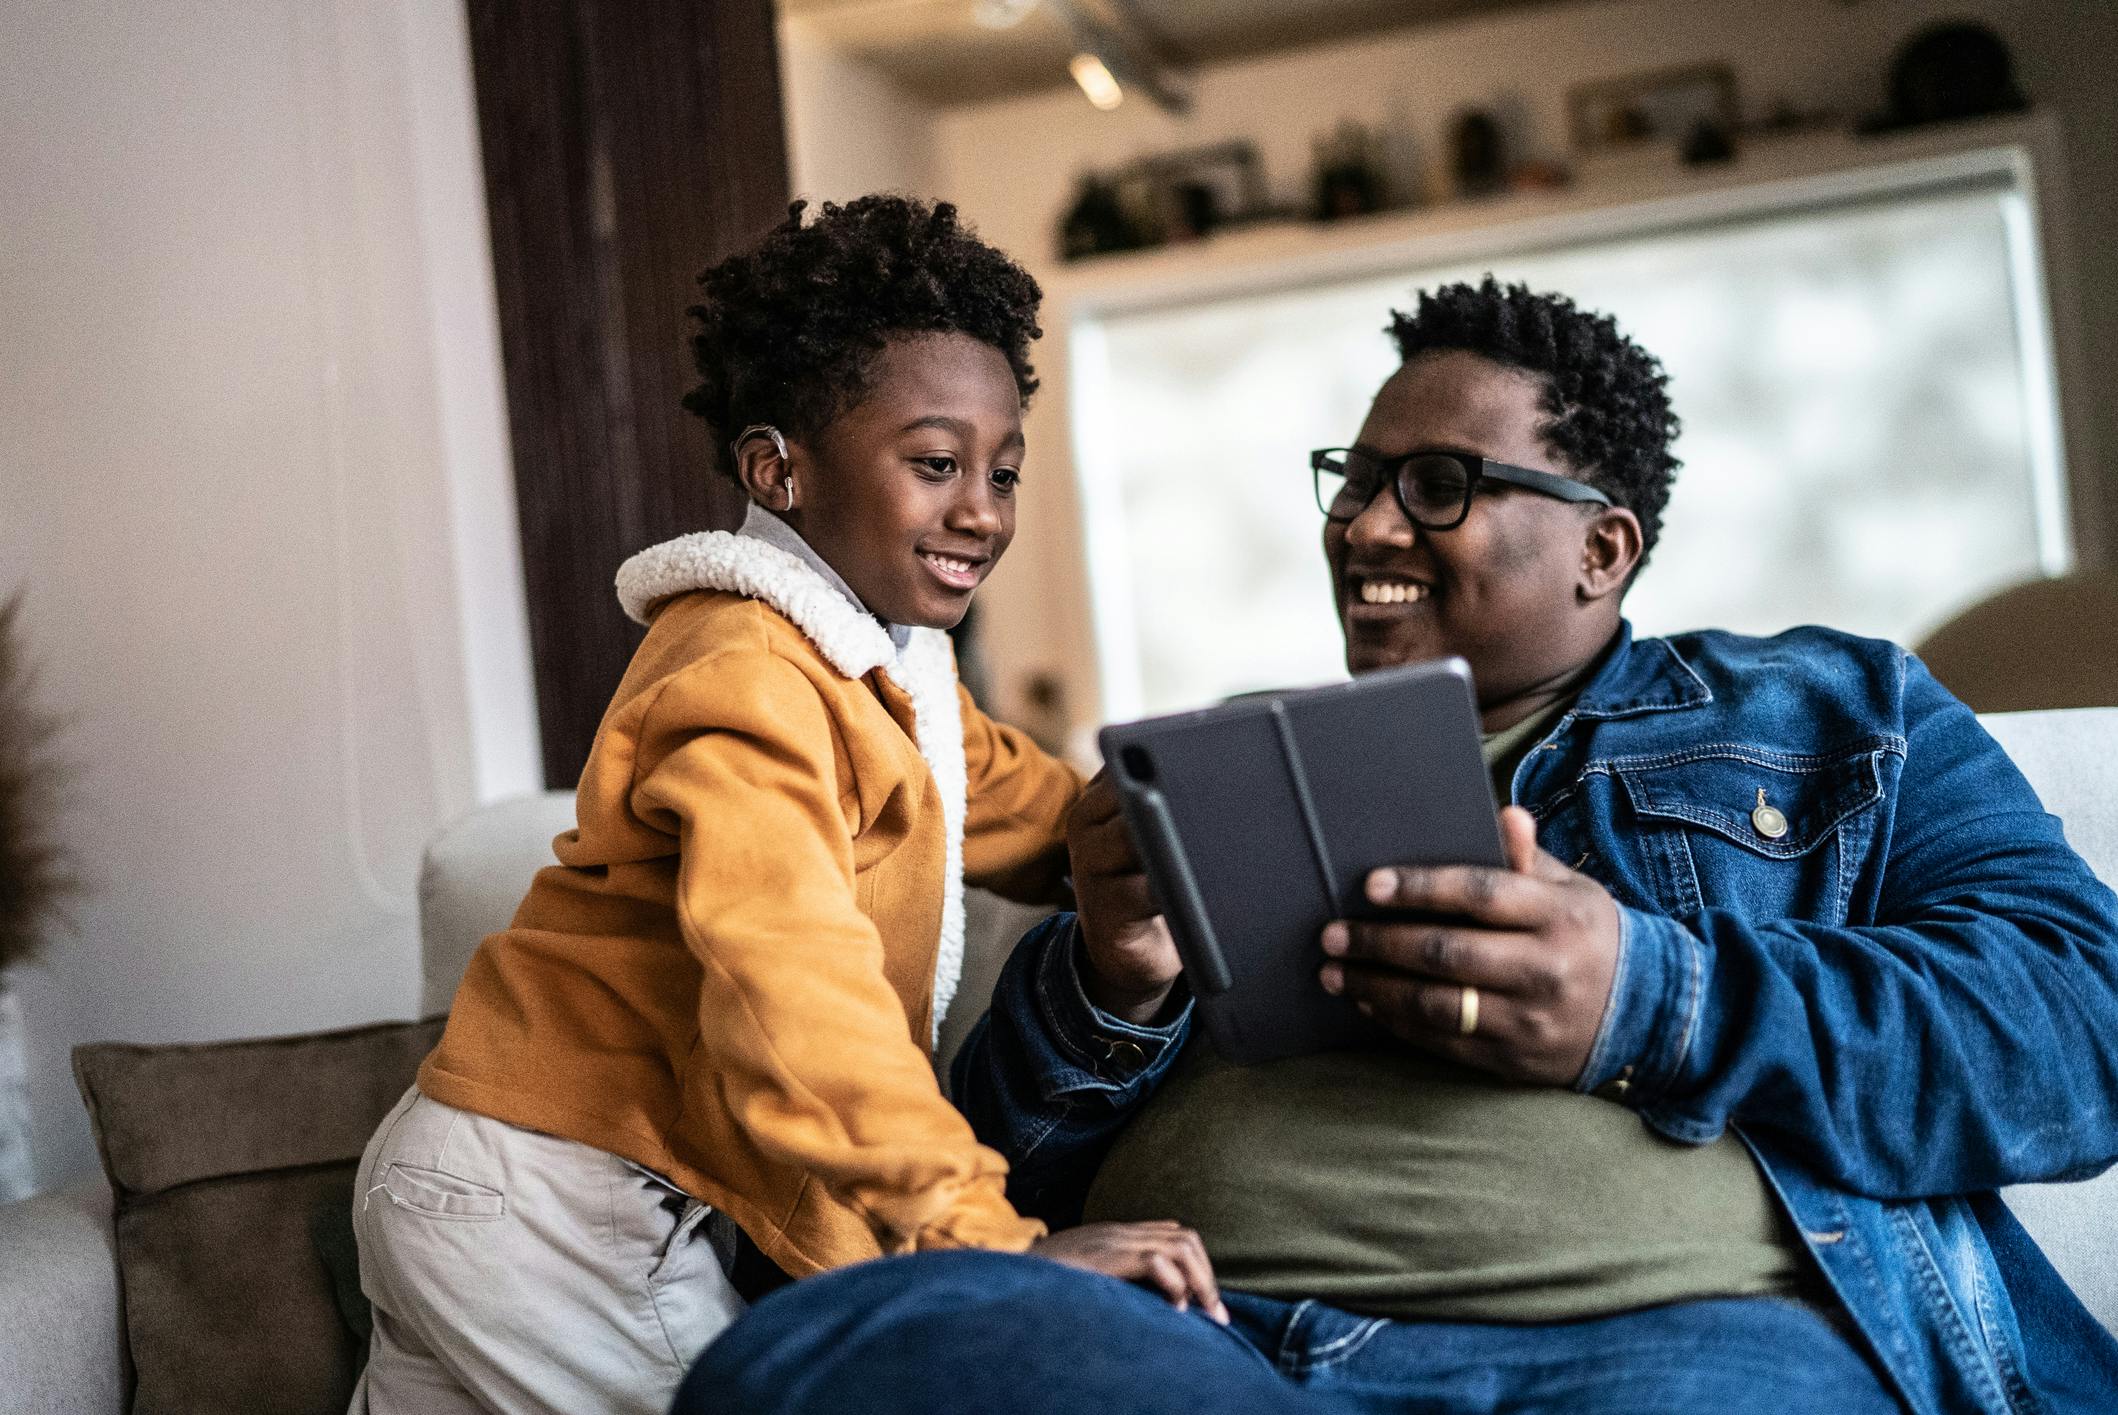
{"type": "Point", "coordinates": [1371, 659]}
{"type": "Point", "coordinates": [1367, 651]}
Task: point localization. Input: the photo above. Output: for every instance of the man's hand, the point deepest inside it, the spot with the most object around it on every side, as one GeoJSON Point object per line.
{"type": "Point", "coordinates": [1538, 942]}
{"type": "Point", "coordinates": [1167, 1257]}
{"type": "Point", "coordinates": [1132, 964]}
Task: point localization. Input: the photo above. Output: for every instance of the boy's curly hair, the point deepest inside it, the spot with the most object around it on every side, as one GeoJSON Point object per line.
{"type": "Point", "coordinates": [1607, 397]}
{"type": "Point", "coordinates": [789, 330]}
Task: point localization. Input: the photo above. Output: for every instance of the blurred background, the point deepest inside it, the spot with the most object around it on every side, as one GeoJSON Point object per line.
{"type": "Point", "coordinates": [1855, 305]}
{"type": "Point", "coordinates": [340, 342]}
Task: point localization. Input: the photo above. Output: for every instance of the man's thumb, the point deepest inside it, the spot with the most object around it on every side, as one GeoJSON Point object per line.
{"type": "Point", "coordinates": [1518, 839]}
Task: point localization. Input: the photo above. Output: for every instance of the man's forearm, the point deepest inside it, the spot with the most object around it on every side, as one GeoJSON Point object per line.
{"type": "Point", "coordinates": [1949, 1055]}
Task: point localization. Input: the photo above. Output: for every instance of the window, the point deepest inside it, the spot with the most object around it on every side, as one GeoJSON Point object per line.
{"type": "Point", "coordinates": [1869, 435]}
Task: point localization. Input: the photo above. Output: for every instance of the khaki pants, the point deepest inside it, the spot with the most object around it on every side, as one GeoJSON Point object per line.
{"type": "Point", "coordinates": [517, 1272]}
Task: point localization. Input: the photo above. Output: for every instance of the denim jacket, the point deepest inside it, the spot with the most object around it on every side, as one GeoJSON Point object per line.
{"type": "Point", "coordinates": [1901, 995]}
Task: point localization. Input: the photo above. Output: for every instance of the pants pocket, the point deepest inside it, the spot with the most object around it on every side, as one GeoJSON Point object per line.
{"type": "Point", "coordinates": [685, 1283]}
{"type": "Point", "coordinates": [439, 1195]}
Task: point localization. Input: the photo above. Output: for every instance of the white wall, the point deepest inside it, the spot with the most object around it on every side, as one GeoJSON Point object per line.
{"type": "Point", "coordinates": [255, 483]}
{"type": "Point", "coordinates": [1012, 165]}
{"type": "Point", "coordinates": [850, 130]}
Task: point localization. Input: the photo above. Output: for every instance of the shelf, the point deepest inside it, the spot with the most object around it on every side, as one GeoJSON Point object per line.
{"type": "Point", "coordinates": [1805, 170]}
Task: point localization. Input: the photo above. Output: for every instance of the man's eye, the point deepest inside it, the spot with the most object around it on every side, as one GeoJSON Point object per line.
{"type": "Point", "coordinates": [1006, 478]}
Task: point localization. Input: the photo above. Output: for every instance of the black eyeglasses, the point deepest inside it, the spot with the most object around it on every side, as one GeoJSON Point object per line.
{"type": "Point", "coordinates": [1434, 488]}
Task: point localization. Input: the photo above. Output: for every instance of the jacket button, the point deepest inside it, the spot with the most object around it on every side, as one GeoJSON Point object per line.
{"type": "Point", "coordinates": [1126, 1055]}
{"type": "Point", "coordinates": [1767, 820]}
{"type": "Point", "coordinates": [1615, 1089]}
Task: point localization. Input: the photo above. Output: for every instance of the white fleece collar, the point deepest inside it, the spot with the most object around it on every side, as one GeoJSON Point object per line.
{"type": "Point", "coordinates": [766, 526]}
{"type": "Point", "coordinates": [856, 644]}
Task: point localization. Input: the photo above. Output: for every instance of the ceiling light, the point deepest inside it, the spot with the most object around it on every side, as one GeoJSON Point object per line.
{"type": "Point", "coordinates": [1111, 48]}
{"type": "Point", "coordinates": [1096, 81]}
{"type": "Point", "coordinates": [1001, 14]}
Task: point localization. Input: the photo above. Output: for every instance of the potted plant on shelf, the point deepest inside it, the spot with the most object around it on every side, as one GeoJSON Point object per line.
{"type": "Point", "coordinates": [36, 874]}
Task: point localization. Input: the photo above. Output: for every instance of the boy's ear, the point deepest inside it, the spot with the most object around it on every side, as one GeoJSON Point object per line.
{"type": "Point", "coordinates": [1610, 549]}
{"type": "Point", "coordinates": [766, 471]}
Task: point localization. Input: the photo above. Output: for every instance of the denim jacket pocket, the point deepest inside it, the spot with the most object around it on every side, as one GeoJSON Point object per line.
{"type": "Point", "coordinates": [1772, 834]}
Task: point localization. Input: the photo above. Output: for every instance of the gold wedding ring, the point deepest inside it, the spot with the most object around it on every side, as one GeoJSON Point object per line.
{"type": "Point", "coordinates": [1467, 1011]}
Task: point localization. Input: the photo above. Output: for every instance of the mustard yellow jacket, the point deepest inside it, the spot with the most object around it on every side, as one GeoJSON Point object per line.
{"type": "Point", "coordinates": [734, 974]}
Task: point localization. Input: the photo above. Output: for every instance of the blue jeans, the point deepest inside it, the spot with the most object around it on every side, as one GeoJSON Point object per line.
{"type": "Point", "coordinates": [976, 1331]}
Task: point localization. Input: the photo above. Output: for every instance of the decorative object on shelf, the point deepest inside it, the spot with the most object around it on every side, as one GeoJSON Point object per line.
{"type": "Point", "coordinates": [1097, 223]}
{"type": "Point", "coordinates": [1959, 69]}
{"type": "Point", "coordinates": [1165, 198]}
{"type": "Point", "coordinates": [1478, 154]}
{"type": "Point", "coordinates": [1539, 175]}
{"type": "Point", "coordinates": [1784, 118]}
{"type": "Point", "coordinates": [36, 874]}
{"type": "Point", "coordinates": [1196, 190]}
{"type": "Point", "coordinates": [1349, 176]}
{"type": "Point", "coordinates": [1707, 142]}
{"type": "Point", "coordinates": [1658, 111]}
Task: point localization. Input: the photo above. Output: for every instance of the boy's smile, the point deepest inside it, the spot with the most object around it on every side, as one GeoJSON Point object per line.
{"type": "Point", "coordinates": [957, 572]}
{"type": "Point", "coordinates": [910, 493]}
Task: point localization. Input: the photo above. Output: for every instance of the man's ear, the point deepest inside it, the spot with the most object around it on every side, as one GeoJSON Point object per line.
{"type": "Point", "coordinates": [1610, 550]}
{"type": "Point", "coordinates": [766, 472]}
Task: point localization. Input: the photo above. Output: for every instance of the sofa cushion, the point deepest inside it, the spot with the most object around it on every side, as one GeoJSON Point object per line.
{"type": "Point", "coordinates": [2066, 755]}
{"type": "Point", "coordinates": [61, 1343]}
{"type": "Point", "coordinates": [473, 876]}
{"type": "Point", "coordinates": [227, 1161]}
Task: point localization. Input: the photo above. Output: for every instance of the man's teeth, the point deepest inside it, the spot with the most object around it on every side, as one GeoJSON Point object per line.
{"type": "Point", "coordinates": [949, 565]}
{"type": "Point", "coordinates": [1391, 592]}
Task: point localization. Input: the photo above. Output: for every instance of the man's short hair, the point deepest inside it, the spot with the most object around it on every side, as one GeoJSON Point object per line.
{"type": "Point", "coordinates": [1607, 397]}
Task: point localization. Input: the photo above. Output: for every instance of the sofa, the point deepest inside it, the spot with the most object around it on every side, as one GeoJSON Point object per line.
{"type": "Point", "coordinates": [228, 1166]}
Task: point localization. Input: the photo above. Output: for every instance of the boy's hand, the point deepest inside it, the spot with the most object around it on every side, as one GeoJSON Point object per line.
{"type": "Point", "coordinates": [1131, 961]}
{"type": "Point", "coordinates": [1167, 1257]}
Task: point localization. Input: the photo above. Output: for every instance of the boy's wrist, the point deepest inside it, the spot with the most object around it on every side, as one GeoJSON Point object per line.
{"type": "Point", "coordinates": [1137, 1007]}
{"type": "Point", "coordinates": [1135, 1004]}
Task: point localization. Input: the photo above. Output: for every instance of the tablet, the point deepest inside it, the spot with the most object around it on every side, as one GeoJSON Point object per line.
{"type": "Point", "coordinates": [1260, 820]}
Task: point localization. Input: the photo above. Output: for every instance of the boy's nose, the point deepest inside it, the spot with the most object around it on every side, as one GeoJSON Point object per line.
{"type": "Point", "coordinates": [977, 510]}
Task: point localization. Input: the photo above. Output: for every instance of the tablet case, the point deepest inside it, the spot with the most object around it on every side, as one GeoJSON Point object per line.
{"type": "Point", "coordinates": [1260, 820]}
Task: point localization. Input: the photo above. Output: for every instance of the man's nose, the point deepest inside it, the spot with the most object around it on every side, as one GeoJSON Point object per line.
{"type": "Point", "coordinates": [1381, 522]}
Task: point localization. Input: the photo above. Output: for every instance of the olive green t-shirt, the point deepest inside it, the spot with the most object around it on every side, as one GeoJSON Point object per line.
{"type": "Point", "coordinates": [1389, 1182]}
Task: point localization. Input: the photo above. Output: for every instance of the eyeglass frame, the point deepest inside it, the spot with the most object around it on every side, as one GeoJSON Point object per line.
{"type": "Point", "coordinates": [1476, 468]}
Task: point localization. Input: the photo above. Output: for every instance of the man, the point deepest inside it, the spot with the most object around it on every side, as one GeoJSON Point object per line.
{"type": "Point", "coordinates": [1701, 1104]}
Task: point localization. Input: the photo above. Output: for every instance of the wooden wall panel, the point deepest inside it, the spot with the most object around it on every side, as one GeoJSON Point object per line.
{"type": "Point", "coordinates": [628, 145]}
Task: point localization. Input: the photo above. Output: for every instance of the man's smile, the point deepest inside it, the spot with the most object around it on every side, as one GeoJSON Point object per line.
{"type": "Point", "coordinates": [1380, 597]}
{"type": "Point", "coordinates": [1386, 590]}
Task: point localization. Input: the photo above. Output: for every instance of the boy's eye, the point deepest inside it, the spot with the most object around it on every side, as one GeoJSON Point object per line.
{"type": "Point", "coordinates": [1005, 478]}
{"type": "Point", "coordinates": [939, 466]}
